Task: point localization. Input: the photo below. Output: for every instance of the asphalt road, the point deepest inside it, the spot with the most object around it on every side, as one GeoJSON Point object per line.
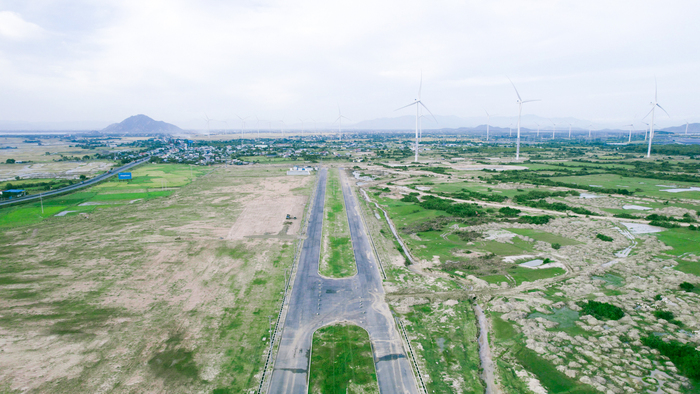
{"type": "Point", "coordinates": [316, 302]}
{"type": "Point", "coordinates": [76, 186]}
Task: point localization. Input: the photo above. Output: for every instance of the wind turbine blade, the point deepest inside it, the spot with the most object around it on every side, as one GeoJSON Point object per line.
{"type": "Point", "coordinates": [487, 113]}
{"type": "Point", "coordinates": [405, 106]}
{"type": "Point", "coordinates": [529, 101]}
{"type": "Point", "coordinates": [648, 113]}
{"type": "Point", "coordinates": [662, 108]}
{"type": "Point", "coordinates": [516, 90]}
{"type": "Point", "coordinates": [344, 117]}
{"type": "Point", "coordinates": [420, 87]}
{"type": "Point", "coordinates": [426, 108]}
{"type": "Point", "coordinates": [655, 91]}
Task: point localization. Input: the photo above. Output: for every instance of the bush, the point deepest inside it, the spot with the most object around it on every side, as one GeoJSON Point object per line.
{"type": "Point", "coordinates": [603, 237]}
{"type": "Point", "coordinates": [10, 161]}
{"type": "Point", "coordinates": [660, 223]}
{"type": "Point", "coordinates": [468, 236]}
{"type": "Point", "coordinates": [510, 212]}
{"type": "Point", "coordinates": [544, 219]}
{"type": "Point", "coordinates": [687, 286]}
{"type": "Point", "coordinates": [602, 310]}
{"type": "Point", "coordinates": [410, 197]}
{"type": "Point", "coordinates": [666, 315]}
{"type": "Point", "coordinates": [556, 246]}
{"type": "Point", "coordinates": [685, 357]}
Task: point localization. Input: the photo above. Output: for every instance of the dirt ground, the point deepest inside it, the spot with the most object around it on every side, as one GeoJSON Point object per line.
{"type": "Point", "coordinates": [167, 295]}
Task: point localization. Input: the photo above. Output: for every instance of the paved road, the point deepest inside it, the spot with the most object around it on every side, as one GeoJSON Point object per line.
{"type": "Point", "coordinates": [317, 301]}
{"type": "Point", "coordinates": [77, 186]}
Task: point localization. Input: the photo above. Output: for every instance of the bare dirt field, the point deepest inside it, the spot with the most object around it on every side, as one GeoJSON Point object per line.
{"type": "Point", "coordinates": [153, 297]}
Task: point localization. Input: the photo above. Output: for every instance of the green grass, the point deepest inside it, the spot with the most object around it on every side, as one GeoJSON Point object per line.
{"type": "Point", "coordinates": [648, 186]}
{"type": "Point", "coordinates": [518, 247]}
{"type": "Point", "coordinates": [543, 236]}
{"type": "Point", "coordinates": [610, 279]}
{"type": "Point", "coordinates": [521, 274]}
{"type": "Point", "coordinates": [146, 184]}
{"type": "Point", "coordinates": [342, 361]}
{"type": "Point", "coordinates": [450, 350]}
{"type": "Point", "coordinates": [564, 316]}
{"type": "Point", "coordinates": [689, 267]}
{"type": "Point", "coordinates": [551, 379]}
{"type": "Point", "coordinates": [337, 257]}
{"type": "Point", "coordinates": [681, 240]}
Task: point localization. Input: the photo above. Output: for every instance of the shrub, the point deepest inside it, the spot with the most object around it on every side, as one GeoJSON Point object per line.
{"type": "Point", "coordinates": [468, 235]}
{"type": "Point", "coordinates": [666, 315]}
{"type": "Point", "coordinates": [602, 310]}
{"type": "Point", "coordinates": [687, 286]}
{"type": "Point", "coordinates": [685, 357]}
{"type": "Point", "coordinates": [604, 237]}
{"type": "Point", "coordinates": [544, 219]}
{"type": "Point", "coordinates": [556, 246]}
{"type": "Point", "coordinates": [410, 197]}
{"type": "Point", "coordinates": [510, 212]}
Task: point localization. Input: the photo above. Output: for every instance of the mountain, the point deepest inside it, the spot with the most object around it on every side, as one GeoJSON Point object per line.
{"type": "Point", "coordinates": [141, 124]}
{"type": "Point", "coordinates": [692, 128]}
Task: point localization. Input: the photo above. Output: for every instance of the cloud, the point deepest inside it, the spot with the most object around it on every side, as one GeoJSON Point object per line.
{"type": "Point", "coordinates": [13, 27]}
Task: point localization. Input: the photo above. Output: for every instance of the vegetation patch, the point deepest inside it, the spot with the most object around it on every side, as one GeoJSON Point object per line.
{"type": "Point", "coordinates": [601, 310]}
{"type": "Point", "coordinates": [342, 362]}
{"type": "Point", "coordinates": [684, 356]}
{"type": "Point", "coordinates": [337, 258]}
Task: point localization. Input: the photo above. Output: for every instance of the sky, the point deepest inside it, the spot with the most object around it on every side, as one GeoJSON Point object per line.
{"type": "Point", "coordinates": [179, 61]}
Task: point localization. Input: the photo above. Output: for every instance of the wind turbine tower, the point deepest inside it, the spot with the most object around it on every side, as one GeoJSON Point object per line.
{"type": "Point", "coordinates": [569, 130]}
{"type": "Point", "coordinates": [520, 110]}
{"type": "Point", "coordinates": [538, 130]}
{"type": "Point", "coordinates": [488, 119]}
{"type": "Point", "coordinates": [554, 128]}
{"type": "Point", "coordinates": [340, 122]}
{"type": "Point", "coordinates": [630, 137]}
{"type": "Point", "coordinates": [651, 126]}
{"type": "Point", "coordinates": [686, 127]}
{"type": "Point", "coordinates": [418, 103]}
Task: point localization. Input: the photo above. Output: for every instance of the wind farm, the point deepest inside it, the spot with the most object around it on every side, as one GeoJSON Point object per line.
{"type": "Point", "coordinates": [228, 197]}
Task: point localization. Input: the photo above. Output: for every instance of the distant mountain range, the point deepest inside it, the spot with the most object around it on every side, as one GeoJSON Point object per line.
{"type": "Point", "coordinates": [141, 124]}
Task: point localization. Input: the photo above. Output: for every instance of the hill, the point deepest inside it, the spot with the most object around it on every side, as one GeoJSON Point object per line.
{"type": "Point", "coordinates": [140, 124]}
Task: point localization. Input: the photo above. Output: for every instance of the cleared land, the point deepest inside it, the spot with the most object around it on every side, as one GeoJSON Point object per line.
{"type": "Point", "coordinates": [150, 296]}
{"type": "Point", "coordinates": [337, 259]}
{"type": "Point", "coordinates": [341, 361]}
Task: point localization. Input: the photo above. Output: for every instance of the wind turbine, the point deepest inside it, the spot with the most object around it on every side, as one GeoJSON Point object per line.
{"type": "Point", "coordinates": [340, 123]}
{"type": "Point", "coordinates": [646, 129]}
{"type": "Point", "coordinates": [590, 127]}
{"type": "Point", "coordinates": [206, 118]}
{"type": "Point", "coordinates": [242, 126]}
{"type": "Point", "coordinates": [418, 103]}
{"type": "Point", "coordinates": [651, 127]}
{"type": "Point", "coordinates": [520, 110]}
{"type": "Point", "coordinates": [302, 128]}
{"type": "Point", "coordinates": [488, 119]}
{"type": "Point", "coordinates": [282, 128]}
{"type": "Point", "coordinates": [554, 128]}
{"type": "Point", "coordinates": [686, 127]}
{"type": "Point", "coordinates": [510, 130]}
{"type": "Point", "coordinates": [569, 130]}
{"type": "Point", "coordinates": [538, 129]}
{"type": "Point", "coordinates": [630, 138]}
{"type": "Point", "coordinates": [257, 126]}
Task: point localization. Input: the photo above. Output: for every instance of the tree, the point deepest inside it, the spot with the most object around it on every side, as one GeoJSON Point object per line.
{"type": "Point", "coordinates": [687, 286]}
{"type": "Point", "coordinates": [10, 161]}
{"type": "Point", "coordinates": [83, 177]}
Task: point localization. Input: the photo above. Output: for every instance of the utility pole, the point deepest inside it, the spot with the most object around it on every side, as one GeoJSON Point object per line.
{"type": "Point", "coordinates": [42, 203]}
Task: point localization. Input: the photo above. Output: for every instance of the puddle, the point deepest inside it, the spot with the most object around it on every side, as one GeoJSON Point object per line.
{"type": "Point", "coordinates": [532, 263]}
{"type": "Point", "coordinates": [636, 207]}
{"type": "Point", "coordinates": [587, 195]}
{"type": "Point", "coordinates": [441, 344]}
{"type": "Point", "coordinates": [690, 189]}
{"type": "Point", "coordinates": [639, 228]}
{"type": "Point", "coordinates": [64, 213]}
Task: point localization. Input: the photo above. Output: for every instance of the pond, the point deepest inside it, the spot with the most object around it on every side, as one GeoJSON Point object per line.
{"type": "Point", "coordinates": [564, 316]}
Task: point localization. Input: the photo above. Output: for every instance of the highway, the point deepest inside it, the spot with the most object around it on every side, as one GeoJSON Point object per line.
{"type": "Point", "coordinates": [316, 302]}
{"type": "Point", "coordinates": [76, 186]}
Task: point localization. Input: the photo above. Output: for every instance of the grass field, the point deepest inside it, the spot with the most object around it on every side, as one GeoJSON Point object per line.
{"type": "Point", "coordinates": [521, 275]}
{"type": "Point", "coordinates": [509, 339]}
{"type": "Point", "coordinates": [146, 297]}
{"type": "Point", "coordinates": [689, 267]}
{"type": "Point", "coordinates": [543, 236]}
{"type": "Point", "coordinates": [681, 240]}
{"type": "Point", "coordinates": [649, 187]}
{"type": "Point", "coordinates": [148, 182]}
{"type": "Point", "coordinates": [337, 258]}
{"type": "Point", "coordinates": [449, 349]}
{"type": "Point", "coordinates": [342, 362]}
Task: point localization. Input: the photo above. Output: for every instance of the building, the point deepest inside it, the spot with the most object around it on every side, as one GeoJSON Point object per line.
{"type": "Point", "coordinates": [12, 193]}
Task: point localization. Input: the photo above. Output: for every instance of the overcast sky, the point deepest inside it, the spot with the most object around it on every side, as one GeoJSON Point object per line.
{"type": "Point", "coordinates": [284, 60]}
